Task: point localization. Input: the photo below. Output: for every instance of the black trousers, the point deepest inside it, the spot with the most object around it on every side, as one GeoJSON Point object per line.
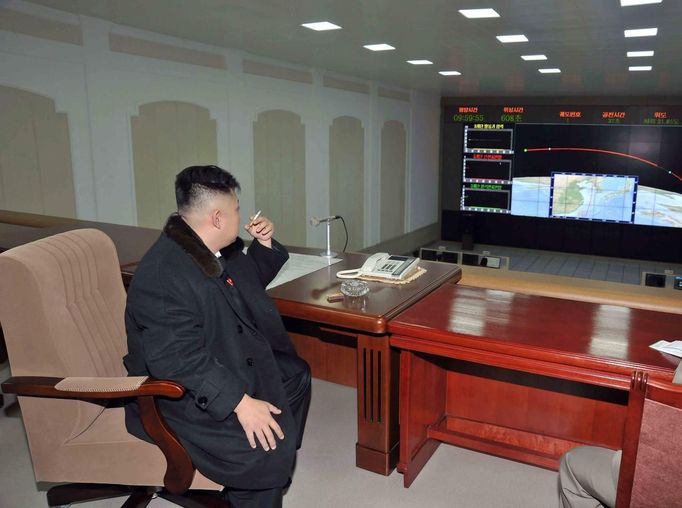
{"type": "Point", "coordinates": [295, 374]}
{"type": "Point", "coordinates": [296, 378]}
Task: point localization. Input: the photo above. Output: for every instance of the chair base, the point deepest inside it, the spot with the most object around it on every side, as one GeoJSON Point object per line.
{"type": "Point", "coordinates": [138, 497]}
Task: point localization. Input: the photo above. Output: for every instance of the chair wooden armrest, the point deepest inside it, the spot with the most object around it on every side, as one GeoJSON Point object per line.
{"type": "Point", "coordinates": [641, 388]}
{"type": "Point", "coordinates": [179, 467]}
{"type": "Point", "coordinates": [35, 386]}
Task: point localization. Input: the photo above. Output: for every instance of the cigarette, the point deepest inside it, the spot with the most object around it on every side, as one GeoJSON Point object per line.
{"type": "Point", "coordinates": [253, 220]}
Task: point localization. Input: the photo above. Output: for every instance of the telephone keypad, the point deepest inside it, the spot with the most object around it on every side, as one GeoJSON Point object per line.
{"type": "Point", "coordinates": [388, 267]}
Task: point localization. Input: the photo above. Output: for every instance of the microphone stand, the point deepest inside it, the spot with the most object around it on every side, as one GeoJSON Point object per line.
{"type": "Point", "coordinates": [328, 253]}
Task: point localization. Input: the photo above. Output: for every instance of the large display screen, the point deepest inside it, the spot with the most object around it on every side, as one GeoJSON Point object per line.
{"type": "Point", "coordinates": [613, 173]}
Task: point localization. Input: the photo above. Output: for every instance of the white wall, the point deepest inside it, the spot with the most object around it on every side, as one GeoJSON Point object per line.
{"type": "Point", "coordinates": [100, 90]}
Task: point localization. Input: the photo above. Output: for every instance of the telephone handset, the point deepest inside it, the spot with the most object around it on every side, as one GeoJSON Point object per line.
{"type": "Point", "coordinates": [383, 265]}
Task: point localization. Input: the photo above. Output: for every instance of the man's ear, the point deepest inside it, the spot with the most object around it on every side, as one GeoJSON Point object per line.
{"type": "Point", "coordinates": [216, 218]}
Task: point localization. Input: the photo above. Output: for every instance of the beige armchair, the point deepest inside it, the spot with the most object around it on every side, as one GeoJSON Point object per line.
{"type": "Point", "coordinates": [61, 307]}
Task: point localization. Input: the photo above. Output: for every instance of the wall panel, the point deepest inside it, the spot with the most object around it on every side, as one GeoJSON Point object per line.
{"type": "Point", "coordinates": [392, 183]}
{"type": "Point", "coordinates": [36, 174]}
{"type": "Point", "coordinates": [167, 137]}
{"type": "Point", "coordinates": [279, 173]}
{"type": "Point", "coordinates": [346, 180]}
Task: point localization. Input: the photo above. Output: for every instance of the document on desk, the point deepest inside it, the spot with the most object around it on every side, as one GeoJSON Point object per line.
{"type": "Point", "coordinates": [299, 265]}
{"type": "Point", "coordinates": [672, 348]}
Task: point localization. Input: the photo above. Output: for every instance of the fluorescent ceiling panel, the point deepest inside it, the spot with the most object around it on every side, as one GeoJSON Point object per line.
{"type": "Point", "coordinates": [534, 57]}
{"type": "Point", "coordinates": [552, 70]}
{"type": "Point", "coordinates": [512, 38]}
{"type": "Point", "coordinates": [479, 13]}
{"type": "Point", "coordinates": [321, 26]}
{"type": "Point", "coordinates": [637, 54]}
{"type": "Point", "coordinates": [420, 62]}
{"type": "Point", "coordinates": [641, 32]}
{"type": "Point", "coordinates": [628, 3]}
{"type": "Point", "coordinates": [636, 68]}
{"type": "Point", "coordinates": [379, 47]}
{"type": "Point", "coordinates": [450, 73]}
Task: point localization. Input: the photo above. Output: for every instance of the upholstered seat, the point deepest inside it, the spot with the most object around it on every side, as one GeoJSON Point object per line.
{"type": "Point", "coordinates": [650, 469]}
{"type": "Point", "coordinates": [61, 308]}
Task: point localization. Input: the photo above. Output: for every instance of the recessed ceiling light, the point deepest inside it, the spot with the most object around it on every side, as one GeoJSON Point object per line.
{"type": "Point", "coordinates": [321, 26]}
{"type": "Point", "coordinates": [512, 38]}
{"type": "Point", "coordinates": [628, 3]}
{"type": "Point", "coordinates": [534, 57]}
{"type": "Point", "coordinates": [553, 70]}
{"type": "Point", "coordinates": [479, 13]}
{"type": "Point", "coordinates": [639, 68]}
{"type": "Point", "coordinates": [450, 73]}
{"type": "Point", "coordinates": [641, 32]}
{"type": "Point", "coordinates": [637, 54]}
{"type": "Point", "coordinates": [420, 62]}
{"type": "Point", "coordinates": [379, 47]}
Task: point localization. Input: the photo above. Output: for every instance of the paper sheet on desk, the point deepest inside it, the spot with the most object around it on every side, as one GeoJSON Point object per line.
{"type": "Point", "coordinates": [672, 348]}
{"type": "Point", "coordinates": [299, 265]}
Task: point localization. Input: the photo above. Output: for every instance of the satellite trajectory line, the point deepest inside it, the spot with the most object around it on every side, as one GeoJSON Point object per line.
{"type": "Point", "coordinates": [609, 152]}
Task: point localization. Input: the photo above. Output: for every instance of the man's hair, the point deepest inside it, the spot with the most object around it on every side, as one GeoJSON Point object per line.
{"type": "Point", "coordinates": [195, 184]}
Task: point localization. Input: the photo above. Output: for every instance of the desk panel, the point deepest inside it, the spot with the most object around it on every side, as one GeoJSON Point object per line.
{"type": "Point", "coordinates": [347, 342]}
{"type": "Point", "coordinates": [523, 377]}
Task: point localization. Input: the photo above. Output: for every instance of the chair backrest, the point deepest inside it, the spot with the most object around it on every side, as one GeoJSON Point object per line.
{"type": "Point", "coordinates": [651, 468]}
{"type": "Point", "coordinates": [62, 304]}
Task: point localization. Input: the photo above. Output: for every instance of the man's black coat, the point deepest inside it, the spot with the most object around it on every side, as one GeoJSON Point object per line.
{"type": "Point", "coordinates": [184, 324]}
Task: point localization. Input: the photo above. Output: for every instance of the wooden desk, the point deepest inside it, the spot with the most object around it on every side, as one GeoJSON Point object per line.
{"type": "Point", "coordinates": [131, 242]}
{"type": "Point", "coordinates": [347, 342]}
{"type": "Point", "coordinates": [519, 376]}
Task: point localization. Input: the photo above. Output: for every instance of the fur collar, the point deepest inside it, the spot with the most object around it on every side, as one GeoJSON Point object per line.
{"type": "Point", "coordinates": [179, 231]}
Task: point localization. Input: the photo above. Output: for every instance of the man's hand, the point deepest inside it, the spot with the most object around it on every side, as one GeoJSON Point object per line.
{"type": "Point", "coordinates": [257, 422]}
{"type": "Point", "coordinates": [261, 229]}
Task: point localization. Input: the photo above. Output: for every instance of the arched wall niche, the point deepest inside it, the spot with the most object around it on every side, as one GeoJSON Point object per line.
{"type": "Point", "coordinates": [167, 136]}
{"type": "Point", "coordinates": [279, 173]}
{"type": "Point", "coordinates": [36, 172]}
{"type": "Point", "coordinates": [346, 180]}
{"type": "Point", "coordinates": [393, 172]}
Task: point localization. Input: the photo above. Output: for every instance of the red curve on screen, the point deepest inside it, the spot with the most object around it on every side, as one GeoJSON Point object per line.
{"type": "Point", "coordinates": [609, 152]}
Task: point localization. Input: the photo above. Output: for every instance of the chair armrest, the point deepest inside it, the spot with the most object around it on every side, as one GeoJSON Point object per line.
{"type": "Point", "coordinates": [90, 388]}
{"type": "Point", "coordinates": [179, 467]}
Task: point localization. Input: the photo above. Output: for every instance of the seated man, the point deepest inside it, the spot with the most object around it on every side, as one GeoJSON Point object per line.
{"type": "Point", "coordinates": [588, 475]}
{"type": "Point", "coordinates": [197, 313]}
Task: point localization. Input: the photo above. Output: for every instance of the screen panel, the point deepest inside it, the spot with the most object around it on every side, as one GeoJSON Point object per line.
{"type": "Point", "coordinates": [612, 172]}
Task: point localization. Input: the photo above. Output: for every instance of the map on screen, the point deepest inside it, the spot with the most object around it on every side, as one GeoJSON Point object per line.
{"type": "Point", "coordinates": [593, 197]}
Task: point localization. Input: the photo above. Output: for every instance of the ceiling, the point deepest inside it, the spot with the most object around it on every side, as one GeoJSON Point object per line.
{"type": "Point", "coordinates": [584, 38]}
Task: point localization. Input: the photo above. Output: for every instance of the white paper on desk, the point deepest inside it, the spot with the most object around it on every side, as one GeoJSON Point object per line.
{"type": "Point", "coordinates": [299, 265]}
{"type": "Point", "coordinates": [672, 348]}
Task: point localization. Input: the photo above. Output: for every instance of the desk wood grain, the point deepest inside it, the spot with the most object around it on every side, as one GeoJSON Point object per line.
{"type": "Point", "coordinates": [520, 376]}
{"type": "Point", "coordinates": [347, 342]}
{"type": "Point", "coordinates": [306, 297]}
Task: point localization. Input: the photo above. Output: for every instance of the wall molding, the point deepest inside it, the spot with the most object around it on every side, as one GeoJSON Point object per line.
{"type": "Point", "coordinates": [38, 26]}
{"type": "Point", "coordinates": [142, 47]}
{"type": "Point", "coordinates": [276, 71]}
{"type": "Point", "coordinates": [344, 84]}
{"type": "Point", "coordinates": [390, 93]}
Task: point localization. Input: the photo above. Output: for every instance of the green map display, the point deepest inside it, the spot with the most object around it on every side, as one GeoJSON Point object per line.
{"type": "Point", "coordinates": [594, 197]}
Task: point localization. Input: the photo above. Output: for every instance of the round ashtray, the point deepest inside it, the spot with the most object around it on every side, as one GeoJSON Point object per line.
{"type": "Point", "coordinates": [354, 288]}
